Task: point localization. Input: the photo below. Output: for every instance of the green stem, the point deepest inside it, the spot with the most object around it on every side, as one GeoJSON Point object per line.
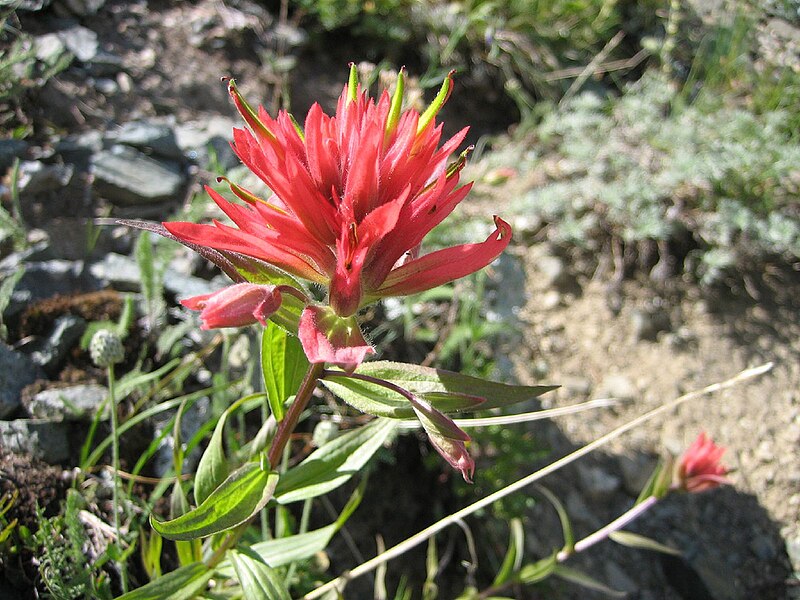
{"type": "Point", "coordinates": [287, 426]}
{"type": "Point", "coordinates": [279, 442]}
{"type": "Point", "coordinates": [115, 465]}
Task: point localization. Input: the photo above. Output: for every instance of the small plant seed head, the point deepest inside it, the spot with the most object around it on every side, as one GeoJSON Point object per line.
{"type": "Point", "coordinates": [106, 348]}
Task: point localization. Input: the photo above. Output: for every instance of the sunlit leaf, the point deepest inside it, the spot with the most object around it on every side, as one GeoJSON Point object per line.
{"type": "Point", "coordinates": [245, 492]}
{"type": "Point", "coordinates": [445, 390]}
{"type": "Point", "coordinates": [334, 463]}
{"type": "Point", "coordinates": [181, 584]}
{"type": "Point", "coordinates": [283, 364]}
{"type": "Point", "coordinates": [513, 558]}
{"type": "Point", "coordinates": [213, 466]}
{"type": "Point", "coordinates": [258, 580]}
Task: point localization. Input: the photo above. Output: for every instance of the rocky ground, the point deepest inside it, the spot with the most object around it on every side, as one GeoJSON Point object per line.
{"type": "Point", "coordinates": [125, 131]}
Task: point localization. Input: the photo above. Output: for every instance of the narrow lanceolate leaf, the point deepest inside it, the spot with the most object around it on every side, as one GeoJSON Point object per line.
{"type": "Point", "coordinates": [541, 569]}
{"type": "Point", "coordinates": [513, 558]}
{"type": "Point", "coordinates": [283, 364]}
{"type": "Point", "coordinates": [181, 584]}
{"type": "Point", "coordinates": [191, 551]}
{"type": "Point", "coordinates": [334, 463]}
{"type": "Point", "coordinates": [581, 578]}
{"type": "Point", "coordinates": [213, 466]}
{"type": "Point", "coordinates": [258, 580]}
{"type": "Point", "coordinates": [279, 552]}
{"type": "Point", "coordinates": [445, 390]}
{"type": "Point", "coordinates": [634, 540]}
{"type": "Point", "coordinates": [245, 492]}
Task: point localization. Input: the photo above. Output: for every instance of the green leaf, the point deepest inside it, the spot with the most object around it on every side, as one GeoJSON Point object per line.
{"type": "Point", "coordinates": [538, 571]}
{"type": "Point", "coordinates": [513, 557]}
{"type": "Point", "coordinates": [181, 584]}
{"type": "Point", "coordinates": [283, 365]}
{"type": "Point", "coordinates": [258, 580]}
{"type": "Point", "coordinates": [213, 466]}
{"type": "Point", "coordinates": [566, 526]}
{"type": "Point", "coordinates": [334, 463]}
{"type": "Point", "coordinates": [586, 581]}
{"type": "Point", "coordinates": [445, 390]}
{"type": "Point", "coordinates": [245, 492]}
{"type": "Point", "coordinates": [634, 540]}
{"type": "Point", "coordinates": [659, 482]}
{"type": "Point", "coordinates": [286, 550]}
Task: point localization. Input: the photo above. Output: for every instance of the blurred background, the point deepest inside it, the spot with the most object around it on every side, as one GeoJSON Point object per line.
{"type": "Point", "coordinates": [646, 153]}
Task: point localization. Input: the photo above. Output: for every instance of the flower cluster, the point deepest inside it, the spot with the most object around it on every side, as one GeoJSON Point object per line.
{"type": "Point", "coordinates": [353, 197]}
{"type": "Point", "coordinates": [700, 468]}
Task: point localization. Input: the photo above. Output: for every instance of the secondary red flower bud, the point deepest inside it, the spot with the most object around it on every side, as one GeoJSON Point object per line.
{"type": "Point", "coordinates": [236, 306]}
{"type": "Point", "coordinates": [699, 468]}
{"type": "Point", "coordinates": [328, 338]}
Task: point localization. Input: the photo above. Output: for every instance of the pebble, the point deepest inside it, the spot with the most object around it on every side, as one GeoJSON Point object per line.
{"type": "Point", "coordinates": [153, 138]}
{"type": "Point", "coordinates": [553, 272]}
{"type": "Point", "coordinates": [40, 438]}
{"type": "Point", "coordinates": [617, 386]}
{"type": "Point", "coordinates": [53, 350]}
{"type": "Point", "coordinates": [550, 299]}
{"type": "Point", "coordinates": [35, 177]}
{"type": "Point", "coordinates": [74, 403]}
{"type": "Point", "coordinates": [81, 41]}
{"type": "Point", "coordinates": [16, 371]}
{"type": "Point", "coordinates": [127, 177]}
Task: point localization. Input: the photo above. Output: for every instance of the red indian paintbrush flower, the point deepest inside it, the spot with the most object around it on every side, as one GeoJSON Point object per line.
{"type": "Point", "coordinates": [700, 468]}
{"type": "Point", "coordinates": [354, 195]}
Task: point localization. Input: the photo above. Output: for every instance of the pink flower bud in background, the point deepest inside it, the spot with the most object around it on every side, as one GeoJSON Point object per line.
{"type": "Point", "coordinates": [699, 468]}
{"type": "Point", "coordinates": [236, 306]}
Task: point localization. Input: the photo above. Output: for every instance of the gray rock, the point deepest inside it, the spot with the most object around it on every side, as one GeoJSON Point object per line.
{"type": "Point", "coordinates": [82, 42]}
{"type": "Point", "coordinates": [48, 278]}
{"type": "Point", "coordinates": [617, 386]}
{"type": "Point", "coordinates": [74, 403]}
{"type": "Point", "coordinates": [128, 177]}
{"type": "Point", "coordinates": [106, 86]}
{"type": "Point", "coordinates": [77, 149]}
{"type": "Point", "coordinates": [599, 485]}
{"type": "Point", "coordinates": [40, 438]}
{"type": "Point", "coordinates": [52, 351]}
{"type": "Point", "coordinates": [32, 5]}
{"type": "Point", "coordinates": [49, 48]}
{"type": "Point", "coordinates": [195, 138]}
{"type": "Point", "coordinates": [122, 273]}
{"type": "Point", "coordinates": [16, 371]}
{"type": "Point", "coordinates": [84, 8]}
{"type": "Point", "coordinates": [35, 177]}
{"type": "Point", "coordinates": [9, 150]}
{"type": "Point", "coordinates": [153, 138]}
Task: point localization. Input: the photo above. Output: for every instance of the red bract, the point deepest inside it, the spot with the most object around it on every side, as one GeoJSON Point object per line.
{"type": "Point", "coordinates": [236, 306]}
{"type": "Point", "coordinates": [354, 196]}
{"type": "Point", "coordinates": [700, 468]}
